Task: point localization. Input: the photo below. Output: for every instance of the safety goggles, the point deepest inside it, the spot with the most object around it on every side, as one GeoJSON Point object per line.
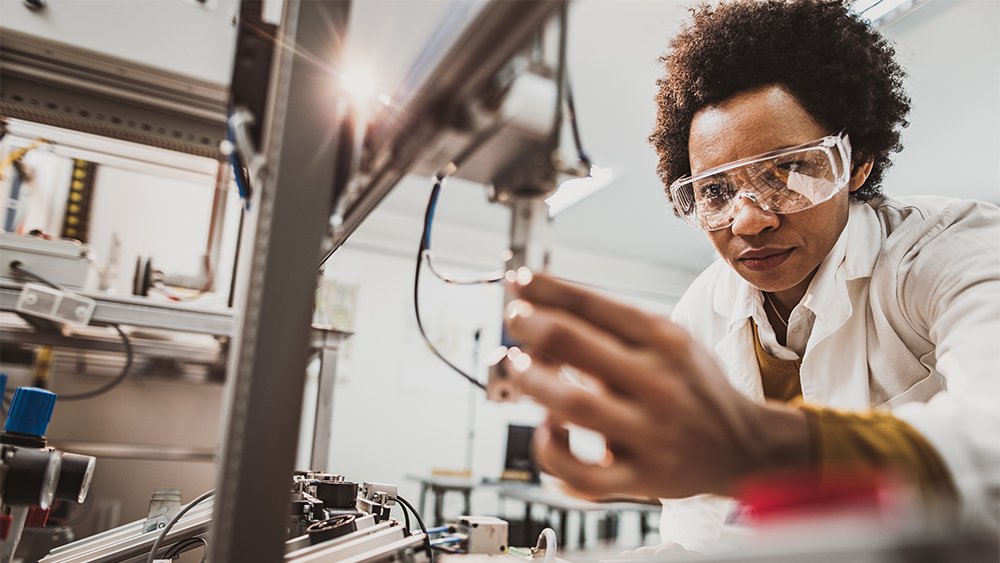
{"type": "Point", "coordinates": [782, 181]}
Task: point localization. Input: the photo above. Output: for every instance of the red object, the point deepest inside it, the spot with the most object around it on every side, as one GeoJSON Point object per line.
{"type": "Point", "coordinates": [37, 517]}
{"type": "Point", "coordinates": [5, 522]}
{"type": "Point", "coordinates": [775, 495]}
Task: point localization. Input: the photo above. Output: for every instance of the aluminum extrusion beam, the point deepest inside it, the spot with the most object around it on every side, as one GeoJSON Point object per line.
{"type": "Point", "coordinates": [400, 136]}
{"type": "Point", "coordinates": [139, 311]}
{"type": "Point", "coordinates": [266, 373]}
{"type": "Point", "coordinates": [145, 452]}
{"type": "Point", "coordinates": [128, 542]}
{"type": "Point", "coordinates": [327, 342]}
{"type": "Point", "coordinates": [208, 352]}
{"type": "Point", "coordinates": [73, 88]}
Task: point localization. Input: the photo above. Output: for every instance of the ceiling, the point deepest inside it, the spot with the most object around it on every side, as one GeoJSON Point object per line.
{"type": "Point", "coordinates": [949, 47]}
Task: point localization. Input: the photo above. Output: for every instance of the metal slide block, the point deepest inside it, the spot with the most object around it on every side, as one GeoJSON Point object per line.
{"type": "Point", "coordinates": [483, 534]}
{"type": "Point", "coordinates": [42, 301]}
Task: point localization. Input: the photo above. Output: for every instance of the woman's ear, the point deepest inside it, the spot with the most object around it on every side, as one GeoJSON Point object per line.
{"type": "Point", "coordinates": [860, 174]}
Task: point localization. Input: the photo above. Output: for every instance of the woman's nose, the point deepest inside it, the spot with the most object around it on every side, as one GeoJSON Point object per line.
{"type": "Point", "coordinates": [751, 216]}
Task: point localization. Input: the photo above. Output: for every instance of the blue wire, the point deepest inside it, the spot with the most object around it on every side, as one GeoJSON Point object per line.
{"type": "Point", "coordinates": [235, 162]}
{"type": "Point", "coordinates": [244, 195]}
{"type": "Point", "coordinates": [430, 212]}
{"type": "Point", "coordinates": [447, 540]}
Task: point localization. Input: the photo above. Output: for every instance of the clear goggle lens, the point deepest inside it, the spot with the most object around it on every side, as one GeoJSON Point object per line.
{"type": "Point", "coordinates": [784, 181]}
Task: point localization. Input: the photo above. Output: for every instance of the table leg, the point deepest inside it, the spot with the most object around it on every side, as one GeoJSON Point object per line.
{"type": "Point", "coordinates": [563, 524]}
{"type": "Point", "coordinates": [583, 530]}
{"type": "Point", "coordinates": [468, 502]}
{"type": "Point", "coordinates": [423, 497]}
{"type": "Point", "coordinates": [612, 520]}
{"type": "Point", "coordinates": [526, 534]}
{"type": "Point", "coordinates": [438, 507]}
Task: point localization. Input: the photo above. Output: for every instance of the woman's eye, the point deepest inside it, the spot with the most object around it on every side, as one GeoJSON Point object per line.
{"type": "Point", "coordinates": [713, 191]}
{"type": "Point", "coordinates": [791, 166]}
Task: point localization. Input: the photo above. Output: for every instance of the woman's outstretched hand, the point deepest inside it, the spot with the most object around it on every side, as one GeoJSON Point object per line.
{"type": "Point", "coordinates": [674, 425]}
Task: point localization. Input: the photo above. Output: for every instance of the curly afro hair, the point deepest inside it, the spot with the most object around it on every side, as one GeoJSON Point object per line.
{"type": "Point", "coordinates": [837, 66]}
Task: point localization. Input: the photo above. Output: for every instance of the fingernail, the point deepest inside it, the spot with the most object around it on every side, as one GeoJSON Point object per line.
{"type": "Point", "coordinates": [520, 362]}
{"type": "Point", "coordinates": [524, 275]}
{"type": "Point", "coordinates": [519, 308]}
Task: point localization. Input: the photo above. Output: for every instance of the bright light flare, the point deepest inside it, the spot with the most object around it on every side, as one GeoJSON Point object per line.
{"type": "Point", "coordinates": [358, 84]}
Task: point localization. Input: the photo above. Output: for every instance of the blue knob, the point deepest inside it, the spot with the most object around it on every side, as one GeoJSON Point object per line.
{"type": "Point", "coordinates": [30, 411]}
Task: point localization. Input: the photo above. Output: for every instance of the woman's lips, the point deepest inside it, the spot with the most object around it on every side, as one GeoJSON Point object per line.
{"type": "Point", "coordinates": [763, 260]}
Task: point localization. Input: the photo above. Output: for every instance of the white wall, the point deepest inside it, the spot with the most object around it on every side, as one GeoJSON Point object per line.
{"type": "Point", "coordinates": [951, 52]}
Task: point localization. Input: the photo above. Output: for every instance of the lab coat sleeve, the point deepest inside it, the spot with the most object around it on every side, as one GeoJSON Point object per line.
{"type": "Point", "coordinates": [949, 288]}
{"type": "Point", "coordinates": [696, 523]}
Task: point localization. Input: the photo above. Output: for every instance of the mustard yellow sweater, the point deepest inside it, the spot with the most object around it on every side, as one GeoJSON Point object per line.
{"type": "Point", "coordinates": [869, 439]}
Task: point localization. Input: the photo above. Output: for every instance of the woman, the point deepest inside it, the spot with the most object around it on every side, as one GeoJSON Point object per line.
{"type": "Point", "coordinates": [841, 327]}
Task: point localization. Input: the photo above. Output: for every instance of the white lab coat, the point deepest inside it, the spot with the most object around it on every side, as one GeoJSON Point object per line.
{"type": "Point", "coordinates": [903, 314]}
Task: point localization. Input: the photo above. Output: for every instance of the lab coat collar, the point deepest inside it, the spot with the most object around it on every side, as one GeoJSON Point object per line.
{"type": "Point", "coordinates": [852, 257]}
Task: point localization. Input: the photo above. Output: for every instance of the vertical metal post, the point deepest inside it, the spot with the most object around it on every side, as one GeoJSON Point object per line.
{"type": "Point", "coordinates": [529, 247]}
{"type": "Point", "coordinates": [329, 347]}
{"type": "Point", "coordinates": [267, 368]}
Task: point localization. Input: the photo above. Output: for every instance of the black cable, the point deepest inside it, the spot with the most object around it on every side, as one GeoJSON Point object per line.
{"type": "Point", "coordinates": [166, 530]}
{"type": "Point", "coordinates": [565, 91]}
{"type": "Point", "coordinates": [184, 545]}
{"type": "Point", "coordinates": [406, 517]}
{"type": "Point", "coordinates": [425, 245]}
{"type": "Point", "coordinates": [236, 258]}
{"type": "Point", "coordinates": [561, 73]}
{"type": "Point", "coordinates": [129, 356]}
{"type": "Point", "coordinates": [18, 266]}
{"type": "Point", "coordinates": [571, 113]}
{"type": "Point", "coordinates": [429, 257]}
{"type": "Point", "coordinates": [420, 521]}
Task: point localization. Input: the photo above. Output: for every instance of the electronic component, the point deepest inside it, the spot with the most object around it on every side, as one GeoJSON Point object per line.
{"type": "Point", "coordinates": [163, 507]}
{"type": "Point", "coordinates": [37, 300]}
{"type": "Point", "coordinates": [377, 499]}
{"type": "Point", "coordinates": [317, 497]}
{"type": "Point", "coordinates": [64, 262]}
{"type": "Point", "coordinates": [482, 534]}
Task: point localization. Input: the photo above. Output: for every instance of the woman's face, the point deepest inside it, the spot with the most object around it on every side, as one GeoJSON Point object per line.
{"type": "Point", "coordinates": [775, 253]}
